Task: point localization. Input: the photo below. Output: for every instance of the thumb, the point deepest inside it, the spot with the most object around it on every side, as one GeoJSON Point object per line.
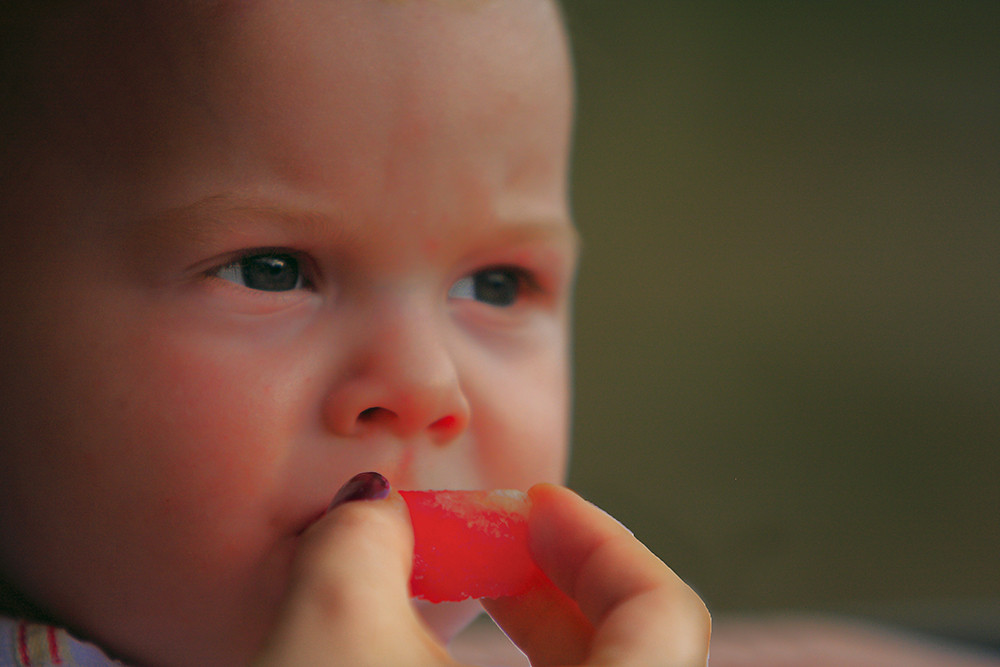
{"type": "Point", "coordinates": [348, 595]}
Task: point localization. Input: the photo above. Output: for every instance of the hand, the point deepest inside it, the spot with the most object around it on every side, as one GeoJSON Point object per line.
{"type": "Point", "coordinates": [348, 599]}
{"type": "Point", "coordinates": [616, 604]}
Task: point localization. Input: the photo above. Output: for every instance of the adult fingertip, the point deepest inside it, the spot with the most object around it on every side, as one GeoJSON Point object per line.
{"type": "Point", "coordinates": [349, 585]}
{"type": "Point", "coordinates": [544, 490]}
{"type": "Point", "coordinates": [365, 530]}
{"type": "Point", "coordinates": [363, 486]}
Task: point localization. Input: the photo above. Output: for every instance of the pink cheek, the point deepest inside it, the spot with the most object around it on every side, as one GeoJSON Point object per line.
{"type": "Point", "coordinates": [430, 247]}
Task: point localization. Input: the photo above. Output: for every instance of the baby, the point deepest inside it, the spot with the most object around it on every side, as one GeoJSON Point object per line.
{"type": "Point", "coordinates": [256, 247]}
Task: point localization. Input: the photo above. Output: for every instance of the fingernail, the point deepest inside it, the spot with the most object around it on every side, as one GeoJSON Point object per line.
{"type": "Point", "coordinates": [363, 486]}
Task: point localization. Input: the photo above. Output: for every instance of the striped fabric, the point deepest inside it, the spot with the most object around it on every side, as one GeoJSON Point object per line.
{"type": "Point", "coordinates": [27, 644]}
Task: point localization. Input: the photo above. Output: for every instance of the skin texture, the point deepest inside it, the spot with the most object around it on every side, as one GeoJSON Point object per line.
{"type": "Point", "coordinates": [174, 435]}
{"type": "Point", "coordinates": [178, 430]}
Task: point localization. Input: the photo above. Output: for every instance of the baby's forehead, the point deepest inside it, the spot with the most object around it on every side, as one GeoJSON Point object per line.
{"type": "Point", "coordinates": [60, 46]}
{"type": "Point", "coordinates": [107, 88]}
{"type": "Point", "coordinates": [118, 87]}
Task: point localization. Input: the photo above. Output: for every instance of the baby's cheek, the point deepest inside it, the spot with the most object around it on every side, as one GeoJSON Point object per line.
{"type": "Point", "coordinates": [212, 436]}
{"type": "Point", "coordinates": [526, 440]}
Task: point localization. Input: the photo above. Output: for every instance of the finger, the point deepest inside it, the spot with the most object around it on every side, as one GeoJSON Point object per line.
{"type": "Point", "coordinates": [546, 624]}
{"type": "Point", "coordinates": [641, 611]}
{"type": "Point", "coordinates": [348, 599]}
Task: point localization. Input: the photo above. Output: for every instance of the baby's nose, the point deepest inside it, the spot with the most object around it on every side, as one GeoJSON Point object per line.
{"type": "Point", "coordinates": [403, 381]}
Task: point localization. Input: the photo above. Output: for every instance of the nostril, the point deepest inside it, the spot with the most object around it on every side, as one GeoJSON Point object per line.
{"type": "Point", "coordinates": [374, 415]}
{"type": "Point", "coordinates": [379, 418]}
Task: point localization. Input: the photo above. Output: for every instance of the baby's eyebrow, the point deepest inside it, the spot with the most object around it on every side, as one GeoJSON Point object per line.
{"type": "Point", "coordinates": [556, 231]}
{"type": "Point", "coordinates": [225, 215]}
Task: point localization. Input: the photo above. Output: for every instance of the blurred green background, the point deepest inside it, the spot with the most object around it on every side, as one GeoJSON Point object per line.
{"type": "Point", "coordinates": [788, 319]}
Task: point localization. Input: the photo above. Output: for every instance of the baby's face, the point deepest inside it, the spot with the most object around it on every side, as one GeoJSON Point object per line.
{"type": "Point", "coordinates": [274, 245]}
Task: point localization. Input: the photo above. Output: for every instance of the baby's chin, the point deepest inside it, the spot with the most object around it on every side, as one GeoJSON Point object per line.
{"type": "Point", "coordinates": [447, 619]}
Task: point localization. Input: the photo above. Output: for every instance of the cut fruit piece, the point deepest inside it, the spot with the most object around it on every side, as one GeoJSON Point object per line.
{"type": "Point", "coordinates": [470, 544]}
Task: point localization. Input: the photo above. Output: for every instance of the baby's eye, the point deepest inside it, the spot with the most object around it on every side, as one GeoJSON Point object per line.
{"type": "Point", "coordinates": [499, 287]}
{"type": "Point", "coordinates": [265, 271]}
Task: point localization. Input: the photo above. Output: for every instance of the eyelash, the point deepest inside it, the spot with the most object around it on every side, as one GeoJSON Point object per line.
{"type": "Point", "coordinates": [467, 287]}
{"type": "Point", "coordinates": [238, 267]}
{"type": "Point", "coordinates": [526, 284]}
